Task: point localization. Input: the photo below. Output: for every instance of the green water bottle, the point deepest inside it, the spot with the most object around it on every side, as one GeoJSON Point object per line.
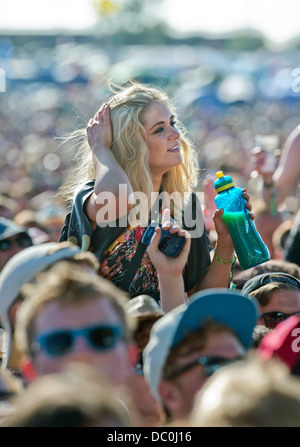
{"type": "Point", "coordinates": [249, 246]}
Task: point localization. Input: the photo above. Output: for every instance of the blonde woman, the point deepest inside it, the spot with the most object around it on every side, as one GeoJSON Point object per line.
{"type": "Point", "coordinates": [133, 151]}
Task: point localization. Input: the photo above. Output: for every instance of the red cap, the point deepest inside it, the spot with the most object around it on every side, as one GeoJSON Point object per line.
{"type": "Point", "coordinates": [283, 342]}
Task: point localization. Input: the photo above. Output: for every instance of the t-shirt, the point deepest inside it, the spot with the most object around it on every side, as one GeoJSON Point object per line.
{"type": "Point", "coordinates": [123, 257]}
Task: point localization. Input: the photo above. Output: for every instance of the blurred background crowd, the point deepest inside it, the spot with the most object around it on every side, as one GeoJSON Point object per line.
{"type": "Point", "coordinates": [228, 89]}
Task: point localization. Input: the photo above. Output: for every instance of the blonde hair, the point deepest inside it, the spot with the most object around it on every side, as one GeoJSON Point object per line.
{"type": "Point", "coordinates": [68, 285]}
{"type": "Point", "coordinates": [263, 293]}
{"type": "Point", "coordinates": [249, 393]}
{"type": "Point", "coordinates": [127, 104]}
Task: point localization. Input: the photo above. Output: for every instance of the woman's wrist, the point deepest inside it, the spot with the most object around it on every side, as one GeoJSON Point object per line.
{"type": "Point", "coordinates": [224, 249]}
{"type": "Point", "coordinates": [225, 261]}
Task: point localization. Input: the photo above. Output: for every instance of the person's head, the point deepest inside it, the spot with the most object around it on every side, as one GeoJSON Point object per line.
{"type": "Point", "coordinates": [8, 207]}
{"type": "Point", "coordinates": [259, 332]}
{"type": "Point", "coordinates": [146, 311]}
{"type": "Point", "coordinates": [249, 393]}
{"type": "Point", "coordinates": [13, 239]}
{"type": "Point", "coordinates": [272, 265]}
{"type": "Point", "coordinates": [282, 342]}
{"type": "Point", "coordinates": [146, 133]}
{"type": "Point", "coordinates": [192, 341]}
{"type": "Point", "coordinates": [51, 216]}
{"type": "Point", "coordinates": [278, 295]}
{"type": "Point", "coordinates": [70, 315]}
{"type": "Point", "coordinates": [21, 269]}
{"type": "Point", "coordinates": [74, 397]}
{"type": "Point", "coordinates": [280, 237]}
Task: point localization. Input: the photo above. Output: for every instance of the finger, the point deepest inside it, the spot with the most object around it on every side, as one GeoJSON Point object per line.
{"type": "Point", "coordinates": [177, 229]}
{"type": "Point", "coordinates": [218, 214]}
{"type": "Point", "coordinates": [167, 225]}
{"type": "Point", "coordinates": [249, 206]}
{"type": "Point", "coordinates": [246, 195]}
{"type": "Point", "coordinates": [187, 245]}
{"type": "Point", "coordinates": [166, 217]}
{"type": "Point", "coordinates": [99, 114]}
{"type": "Point", "coordinates": [106, 113]}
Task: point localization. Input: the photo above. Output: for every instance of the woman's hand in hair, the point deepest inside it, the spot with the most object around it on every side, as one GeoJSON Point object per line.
{"type": "Point", "coordinates": [99, 130]}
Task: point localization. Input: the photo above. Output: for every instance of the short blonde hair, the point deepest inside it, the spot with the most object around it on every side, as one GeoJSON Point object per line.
{"type": "Point", "coordinates": [263, 294]}
{"type": "Point", "coordinates": [67, 284]}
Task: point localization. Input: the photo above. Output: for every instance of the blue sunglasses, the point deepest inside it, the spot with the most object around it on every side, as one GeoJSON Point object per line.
{"type": "Point", "coordinates": [60, 342]}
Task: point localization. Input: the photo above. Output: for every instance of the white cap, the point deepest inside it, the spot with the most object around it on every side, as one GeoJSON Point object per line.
{"type": "Point", "coordinates": [21, 269]}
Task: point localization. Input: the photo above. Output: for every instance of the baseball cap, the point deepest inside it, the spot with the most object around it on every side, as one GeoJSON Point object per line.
{"type": "Point", "coordinates": [225, 306]}
{"type": "Point", "coordinates": [144, 307]}
{"type": "Point", "coordinates": [22, 268]}
{"type": "Point", "coordinates": [266, 278]}
{"type": "Point", "coordinates": [283, 342]}
{"type": "Point", "coordinates": [8, 228]}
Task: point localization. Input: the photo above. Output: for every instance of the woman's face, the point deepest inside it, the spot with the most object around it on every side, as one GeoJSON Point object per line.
{"type": "Point", "coordinates": [162, 138]}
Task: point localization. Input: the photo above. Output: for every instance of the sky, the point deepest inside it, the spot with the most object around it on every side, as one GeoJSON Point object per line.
{"type": "Point", "coordinates": [278, 20]}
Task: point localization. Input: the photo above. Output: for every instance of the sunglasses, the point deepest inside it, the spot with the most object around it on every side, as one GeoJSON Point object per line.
{"type": "Point", "coordinates": [22, 241]}
{"type": "Point", "coordinates": [210, 366]}
{"type": "Point", "coordinates": [271, 319]}
{"type": "Point", "coordinates": [59, 343]}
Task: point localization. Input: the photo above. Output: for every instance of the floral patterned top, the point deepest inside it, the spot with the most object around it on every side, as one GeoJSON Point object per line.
{"type": "Point", "coordinates": [123, 257]}
{"type": "Point", "coordinates": [115, 266]}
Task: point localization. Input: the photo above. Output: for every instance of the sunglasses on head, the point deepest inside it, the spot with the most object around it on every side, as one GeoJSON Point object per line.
{"type": "Point", "coordinates": [60, 342]}
{"type": "Point", "coordinates": [271, 319]}
{"type": "Point", "coordinates": [210, 366]}
{"type": "Point", "coordinates": [21, 240]}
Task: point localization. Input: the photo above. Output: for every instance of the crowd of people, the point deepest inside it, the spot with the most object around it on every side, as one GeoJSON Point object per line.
{"type": "Point", "coordinates": [100, 329]}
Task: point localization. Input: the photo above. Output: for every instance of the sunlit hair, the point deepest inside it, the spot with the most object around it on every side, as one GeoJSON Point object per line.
{"type": "Point", "coordinates": [127, 104]}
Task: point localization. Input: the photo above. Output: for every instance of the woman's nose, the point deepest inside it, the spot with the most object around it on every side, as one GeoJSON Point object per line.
{"type": "Point", "coordinates": [174, 133]}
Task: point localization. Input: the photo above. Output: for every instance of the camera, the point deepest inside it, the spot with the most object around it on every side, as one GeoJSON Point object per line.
{"type": "Point", "coordinates": [170, 244]}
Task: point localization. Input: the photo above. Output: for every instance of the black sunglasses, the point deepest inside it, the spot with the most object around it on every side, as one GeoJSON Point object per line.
{"type": "Point", "coordinates": [210, 366]}
{"type": "Point", "coordinates": [60, 342]}
{"type": "Point", "coordinates": [271, 319]}
{"type": "Point", "coordinates": [21, 240]}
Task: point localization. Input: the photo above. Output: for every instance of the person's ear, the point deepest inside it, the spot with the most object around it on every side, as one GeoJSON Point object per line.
{"type": "Point", "coordinates": [28, 371]}
{"type": "Point", "coordinates": [170, 396]}
{"type": "Point", "coordinates": [133, 354]}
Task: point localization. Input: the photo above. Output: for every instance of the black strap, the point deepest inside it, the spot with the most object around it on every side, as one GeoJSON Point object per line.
{"type": "Point", "coordinates": [131, 266]}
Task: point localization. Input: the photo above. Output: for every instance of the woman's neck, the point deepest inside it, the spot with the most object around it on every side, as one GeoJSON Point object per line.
{"type": "Point", "coordinates": [156, 182]}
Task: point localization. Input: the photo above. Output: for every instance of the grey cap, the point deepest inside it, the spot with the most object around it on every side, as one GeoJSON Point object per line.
{"type": "Point", "coordinates": [267, 278]}
{"type": "Point", "coordinates": [143, 307]}
{"type": "Point", "coordinates": [21, 269]}
{"type": "Point", "coordinates": [9, 228]}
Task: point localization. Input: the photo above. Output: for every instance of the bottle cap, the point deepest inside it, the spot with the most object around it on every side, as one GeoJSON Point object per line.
{"type": "Point", "coordinates": [224, 182]}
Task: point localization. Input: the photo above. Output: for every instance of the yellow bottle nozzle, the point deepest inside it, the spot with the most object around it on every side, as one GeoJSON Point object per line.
{"type": "Point", "coordinates": [219, 174]}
